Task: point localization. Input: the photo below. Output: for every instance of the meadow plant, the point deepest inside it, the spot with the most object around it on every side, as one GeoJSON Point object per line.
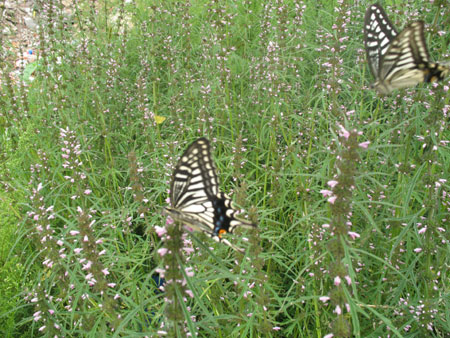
{"type": "Point", "coordinates": [175, 272]}
{"type": "Point", "coordinates": [85, 162]}
{"type": "Point", "coordinates": [340, 228]}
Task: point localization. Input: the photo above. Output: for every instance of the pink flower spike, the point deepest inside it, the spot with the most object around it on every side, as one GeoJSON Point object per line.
{"type": "Point", "coordinates": [364, 145]}
{"type": "Point", "coordinates": [326, 193]}
{"type": "Point", "coordinates": [332, 199]}
{"type": "Point", "coordinates": [353, 234]}
{"type": "Point", "coordinates": [332, 183]}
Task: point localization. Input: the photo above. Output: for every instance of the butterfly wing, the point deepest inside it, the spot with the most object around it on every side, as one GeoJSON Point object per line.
{"type": "Point", "coordinates": [405, 60]}
{"type": "Point", "coordinates": [379, 32]}
{"type": "Point", "coordinates": [398, 60]}
{"type": "Point", "coordinates": [195, 196]}
{"type": "Point", "coordinates": [190, 202]}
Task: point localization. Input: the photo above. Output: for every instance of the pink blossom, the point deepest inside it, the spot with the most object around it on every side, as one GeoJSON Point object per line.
{"type": "Point", "coordinates": [338, 310]}
{"type": "Point", "coordinates": [162, 251]}
{"type": "Point", "coordinates": [343, 132]}
{"type": "Point", "coordinates": [325, 226]}
{"type": "Point", "coordinates": [324, 299]}
{"type": "Point", "coordinates": [87, 191]}
{"type": "Point", "coordinates": [190, 293]}
{"type": "Point", "coordinates": [348, 279]}
{"type": "Point", "coordinates": [332, 183]}
{"type": "Point", "coordinates": [422, 231]}
{"type": "Point", "coordinates": [160, 231]}
{"type": "Point", "coordinates": [87, 266]}
{"type": "Point", "coordinates": [364, 145]}
{"type": "Point", "coordinates": [332, 199]}
{"type": "Point", "coordinates": [330, 335]}
{"type": "Point", "coordinates": [276, 328]}
{"type": "Point", "coordinates": [326, 193]}
{"type": "Point", "coordinates": [189, 272]}
{"type": "Point", "coordinates": [337, 280]}
{"type": "Point", "coordinates": [353, 234]}
{"type": "Point", "coordinates": [417, 250]}
{"type": "Point", "coordinates": [74, 232]}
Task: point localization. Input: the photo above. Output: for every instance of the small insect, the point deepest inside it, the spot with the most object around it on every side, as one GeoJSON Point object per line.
{"type": "Point", "coordinates": [398, 60]}
{"type": "Point", "coordinates": [195, 197]}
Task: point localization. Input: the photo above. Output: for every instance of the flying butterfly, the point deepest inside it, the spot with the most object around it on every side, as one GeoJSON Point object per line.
{"type": "Point", "coordinates": [195, 197]}
{"type": "Point", "coordinates": [398, 60]}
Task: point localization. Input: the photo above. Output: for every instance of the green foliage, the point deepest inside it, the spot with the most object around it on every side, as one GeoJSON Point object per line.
{"type": "Point", "coordinates": [88, 147]}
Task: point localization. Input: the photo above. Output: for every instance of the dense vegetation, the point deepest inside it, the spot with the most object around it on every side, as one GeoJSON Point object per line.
{"type": "Point", "coordinates": [350, 190]}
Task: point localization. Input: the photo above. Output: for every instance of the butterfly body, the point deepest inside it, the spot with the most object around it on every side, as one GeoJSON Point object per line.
{"type": "Point", "coordinates": [195, 197]}
{"type": "Point", "coordinates": [398, 60]}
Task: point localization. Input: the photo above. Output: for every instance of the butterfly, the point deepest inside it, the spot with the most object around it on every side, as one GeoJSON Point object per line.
{"type": "Point", "coordinates": [195, 197]}
{"type": "Point", "coordinates": [398, 60]}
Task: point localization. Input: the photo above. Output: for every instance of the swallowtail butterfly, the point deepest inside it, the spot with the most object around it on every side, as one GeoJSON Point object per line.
{"type": "Point", "coordinates": [398, 60]}
{"type": "Point", "coordinates": [195, 197]}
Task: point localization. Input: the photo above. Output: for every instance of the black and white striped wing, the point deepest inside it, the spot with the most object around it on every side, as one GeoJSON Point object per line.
{"type": "Point", "coordinates": [195, 196]}
{"type": "Point", "coordinates": [379, 32]}
{"type": "Point", "coordinates": [398, 60]}
{"type": "Point", "coordinates": [405, 61]}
